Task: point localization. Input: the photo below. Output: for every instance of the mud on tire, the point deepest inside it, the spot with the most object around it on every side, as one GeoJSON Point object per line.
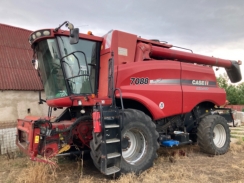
{"type": "Point", "coordinates": [213, 135]}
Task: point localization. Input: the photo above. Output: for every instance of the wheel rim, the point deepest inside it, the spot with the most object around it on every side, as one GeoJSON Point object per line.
{"type": "Point", "coordinates": [219, 136]}
{"type": "Point", "coordinates": [136, 146]}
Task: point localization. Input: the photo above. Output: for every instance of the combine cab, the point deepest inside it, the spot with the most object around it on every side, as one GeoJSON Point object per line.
{"type": "Point", "coordinates": [124, 97]}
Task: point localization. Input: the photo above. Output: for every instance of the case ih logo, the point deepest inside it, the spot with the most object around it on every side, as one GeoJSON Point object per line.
{"type": "Point", "coordinates": [199, 82]}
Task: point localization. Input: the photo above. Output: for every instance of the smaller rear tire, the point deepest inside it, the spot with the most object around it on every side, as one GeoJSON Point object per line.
{"type": "Point", "coordinates": [213, 135]}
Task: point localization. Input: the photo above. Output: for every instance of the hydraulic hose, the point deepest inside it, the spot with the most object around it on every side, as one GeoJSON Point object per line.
{"type": "Point", "coordinates": [71, 127]}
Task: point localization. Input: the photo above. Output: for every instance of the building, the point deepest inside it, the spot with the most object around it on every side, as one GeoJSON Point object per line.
{"type": "Point", "coordinates": [19, 82]}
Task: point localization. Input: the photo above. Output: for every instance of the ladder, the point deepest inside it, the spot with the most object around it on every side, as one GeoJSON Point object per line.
{"type": "Point", "coordinates": [111, 152]}
{"type": "Point", "coordinates": [112, 124]}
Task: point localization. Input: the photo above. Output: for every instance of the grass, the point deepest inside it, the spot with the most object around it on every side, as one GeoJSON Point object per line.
{"type": "Point", "coordinates": [234, 136]}
{"type": "Point", "coordinates": [178, 164]}
{"type": "Point", "coordinates": [238, 146]}
{"type": "Point", "coordinates": [235, 133]}
{"type": "Point", "coordinates": [38, 173]}
{"type": "Point", "coordinates": [236, 129]}
{"type": "Point", "coordinates": [238, 133]}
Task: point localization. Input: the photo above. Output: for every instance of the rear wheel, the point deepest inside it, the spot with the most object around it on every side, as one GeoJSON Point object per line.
{"type": "Point", "coordinates": [139, 143]}
{"type": "Point", "coordinates": [214, 135]}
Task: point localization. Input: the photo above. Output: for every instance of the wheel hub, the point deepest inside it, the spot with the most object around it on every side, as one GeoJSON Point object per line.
{"type": "Point", "coordinates": [125, 143]}
{"type": "Point", "coordinates": [133, 146]}
{"type": "Point", "coordinates": [219, 135]}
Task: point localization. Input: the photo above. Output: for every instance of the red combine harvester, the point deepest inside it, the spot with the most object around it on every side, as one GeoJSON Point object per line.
{"type": "Point", "coordinates": [124, 97]}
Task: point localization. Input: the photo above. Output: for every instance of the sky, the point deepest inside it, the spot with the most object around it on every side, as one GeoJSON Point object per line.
{"type": "Point", "coordinates": [213, 28]}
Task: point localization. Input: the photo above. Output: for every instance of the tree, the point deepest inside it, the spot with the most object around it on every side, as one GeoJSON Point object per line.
{"type": "Point", "coordinates": [240, 88]}
{"type": "Point", "coordinates": [234, 93]}
{"type": "Point", "coordinates": [222, 81]}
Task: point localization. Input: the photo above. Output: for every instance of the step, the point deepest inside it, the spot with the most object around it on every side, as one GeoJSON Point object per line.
{"type": "Point", "coordinates": [112, 140]}
{"type": "Point", "coordinates": [112, 126]}
{"type": "Point", "coordinates": [113, 155]}
{"type": "Point", "coordinates": [109, 112]}
{"type": "Point", "coordinates": [110, 118]}
{"type": "Point", "coordinates": [112, 170]}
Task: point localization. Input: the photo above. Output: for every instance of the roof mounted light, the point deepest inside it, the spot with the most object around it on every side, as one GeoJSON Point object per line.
{"type": "Point", "coordinates": [39, 34]}
{"type": "Point", "coordinates": [46, 33]}
{"type": "Point", "coordinates": [90, 33]}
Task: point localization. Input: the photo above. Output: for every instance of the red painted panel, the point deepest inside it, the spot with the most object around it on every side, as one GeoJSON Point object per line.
{"type": "Point", "coordinates": [124, 46]}
{"type": "Point", "coordinates": [27, 127]}
{"type": "Point", "coordinates": [151, 95]}
{"type": "Point", "coordinates": [60, 102]}
{"type": "Point", "coordinates": [103, 77]}
{"type": "Point", "coordinates": [189, 57]}
{"type": "Point", "coordinates": [195, 94]}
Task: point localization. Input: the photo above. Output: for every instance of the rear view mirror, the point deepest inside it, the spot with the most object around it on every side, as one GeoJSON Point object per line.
{"type": "Point", "coordinates": [74, 36]}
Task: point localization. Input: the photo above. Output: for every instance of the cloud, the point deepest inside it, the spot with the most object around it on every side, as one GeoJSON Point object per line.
{"type": "Point", "coordinates": [187, 21]}
{"type": "Point", "coordinates": [208, 27]}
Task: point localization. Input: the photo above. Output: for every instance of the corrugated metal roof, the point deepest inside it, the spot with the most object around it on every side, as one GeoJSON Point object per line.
{"type": "Point", "coordinates": [16, 69]}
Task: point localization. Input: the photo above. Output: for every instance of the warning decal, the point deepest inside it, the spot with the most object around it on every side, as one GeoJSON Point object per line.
{"type": "Point", "coordinates": [122, 51]}
{"type": "Point", "coordinates": [36, 139]}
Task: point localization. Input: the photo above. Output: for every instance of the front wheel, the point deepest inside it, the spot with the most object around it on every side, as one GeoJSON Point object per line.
{"type": "Point", "coordinates": [139, 142]}
{"type": "Point", "coordinates": [213, 135]}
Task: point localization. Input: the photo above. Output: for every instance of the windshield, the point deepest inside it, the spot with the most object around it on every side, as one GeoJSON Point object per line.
{"type": "Point", "coordinates": [50, 69]}
{"type": "Point", "coordinates": [79, 62]}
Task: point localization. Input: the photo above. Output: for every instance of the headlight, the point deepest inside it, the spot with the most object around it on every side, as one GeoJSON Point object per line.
{"type": "Point", "coordinates": [39, 34]}
{"type": "Point", "coordinates": [46, 33]}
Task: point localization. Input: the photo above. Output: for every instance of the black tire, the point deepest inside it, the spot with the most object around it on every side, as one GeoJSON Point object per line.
{"type": "Point", "coordinates": [137, 120]}
{"type": "Point", "coordinates": [213, 135]}
{"type": "Point", "coordinates": [95, 145]}
{"type": "Point", "coordinates": [134, 120]}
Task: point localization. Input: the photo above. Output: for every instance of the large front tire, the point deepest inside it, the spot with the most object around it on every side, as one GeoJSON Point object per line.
{"type": "Point", "coordinates": [213, 135]}
{"type": "Point", "coordinates": [139, 143]}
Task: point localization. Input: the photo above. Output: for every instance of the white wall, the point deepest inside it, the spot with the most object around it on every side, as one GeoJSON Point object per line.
{"type": "Point", "coordinates": [15, 104]}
